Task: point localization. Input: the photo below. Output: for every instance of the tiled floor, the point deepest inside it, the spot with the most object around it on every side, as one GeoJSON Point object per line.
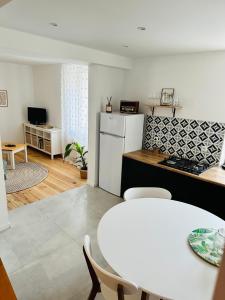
{"type": "Point", "coordinates": [42, 252]}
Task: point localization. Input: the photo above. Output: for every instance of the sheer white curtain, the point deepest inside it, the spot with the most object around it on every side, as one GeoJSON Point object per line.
{"type": "Point", "coordinates": [75, 104]}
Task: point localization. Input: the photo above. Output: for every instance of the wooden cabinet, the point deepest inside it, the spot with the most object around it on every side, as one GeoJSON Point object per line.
{"type": "Point", "coordinates": [6, 290]}
{"type": "Point", "coordinates": [47, 140]}
{"type": "Point", "coordinates": [183, 188]}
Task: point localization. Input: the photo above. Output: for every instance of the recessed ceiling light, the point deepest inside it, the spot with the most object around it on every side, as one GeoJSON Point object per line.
{"type": "Point", "coordinates": [142, 28]}
{"type": "Point", "coordinates": [125, 46]}
{"type": "Point", "coordinates": [53, 24]}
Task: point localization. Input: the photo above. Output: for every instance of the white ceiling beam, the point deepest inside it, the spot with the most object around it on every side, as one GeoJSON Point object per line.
{"type": "Point", "coordinates": [23, 45]}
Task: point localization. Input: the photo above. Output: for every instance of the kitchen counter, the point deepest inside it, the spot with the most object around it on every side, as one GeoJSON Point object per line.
{"type": "Point", "coordinates": [207, 190]}
{"type": "Point", "coordinates": [215, 175]}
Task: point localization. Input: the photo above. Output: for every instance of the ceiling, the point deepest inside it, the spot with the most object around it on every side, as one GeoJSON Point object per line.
{"type": "Point", "coordinates": [172, 26]}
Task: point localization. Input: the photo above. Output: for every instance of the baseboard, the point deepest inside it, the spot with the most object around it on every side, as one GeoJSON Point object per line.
{"type": "Point", "coordinates": [91, 183]}
{"type": "Point", "coordinates": [7, 226]}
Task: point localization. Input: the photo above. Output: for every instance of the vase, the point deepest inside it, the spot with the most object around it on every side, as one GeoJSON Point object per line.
{"type": "Point", "coordinates": [83, 174]}
{"type": "Point", "coordinates": [108, 108]}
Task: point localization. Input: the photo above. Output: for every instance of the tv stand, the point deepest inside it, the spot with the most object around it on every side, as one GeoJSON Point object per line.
{"type": "Point", "coordinates": [47, 140]}
{"type": "Point", "coordinates": [45, 126]}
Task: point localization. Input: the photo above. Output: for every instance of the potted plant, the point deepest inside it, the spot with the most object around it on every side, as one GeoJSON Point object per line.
{"type": "Point", "coordinates": [80, 160]}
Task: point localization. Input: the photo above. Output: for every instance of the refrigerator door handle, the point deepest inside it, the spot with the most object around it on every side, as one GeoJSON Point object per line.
{"type": "Point", "coordinates": [115, 135]}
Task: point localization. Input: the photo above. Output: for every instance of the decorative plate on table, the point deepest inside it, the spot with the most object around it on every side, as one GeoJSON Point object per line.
{"type": "Point", "coordinates": [201, 241]}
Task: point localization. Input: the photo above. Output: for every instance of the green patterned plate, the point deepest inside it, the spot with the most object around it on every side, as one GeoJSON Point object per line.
{"type": "Point", "coordinates": [201, 241]}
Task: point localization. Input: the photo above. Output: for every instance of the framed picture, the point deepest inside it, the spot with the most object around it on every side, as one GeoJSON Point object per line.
{"type": "Point", "coordinates": [3, 98]}
{"type": "Point", "coordinates": [167, 95]}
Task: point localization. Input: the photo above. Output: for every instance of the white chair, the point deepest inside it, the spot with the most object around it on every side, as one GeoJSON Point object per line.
{"type": "Point", "coordinates": [113, 283]}
{"type": "Point", "coordinates": [146, 192]}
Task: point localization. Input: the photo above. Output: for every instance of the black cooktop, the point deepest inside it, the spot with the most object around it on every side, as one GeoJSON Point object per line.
{"type": "Point", "coordinates": [184, 164]}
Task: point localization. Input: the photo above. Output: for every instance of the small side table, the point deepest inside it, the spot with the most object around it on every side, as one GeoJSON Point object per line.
{"type": "Point", "coordinates": [5, 168]}
{"type": "Point", "coordinates": [11, 151]}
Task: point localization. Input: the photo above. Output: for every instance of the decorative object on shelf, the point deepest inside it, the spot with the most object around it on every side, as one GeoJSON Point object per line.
{"type": "Point", "coordinates": [208, 244]}
{"type": "Point", "coordinates": [129, 107]}
{"type": "Point", "coordinates": [176, 101]}
{"type": "Point", "coordinates": [3, 98]}
{"type": "Point", "coordinates": [167, 95]}
{"type": "Point", "coordinates": [109, 105]}
{"type": "Point", "coordinates": [166, 100]}
{"type": "Point", "coordinates": [81, 160]}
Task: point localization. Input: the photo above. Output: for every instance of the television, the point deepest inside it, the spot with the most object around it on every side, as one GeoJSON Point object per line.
{"type": "Point", "coordinates": [37, 116]}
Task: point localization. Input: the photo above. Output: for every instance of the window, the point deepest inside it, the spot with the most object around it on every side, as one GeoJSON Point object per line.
{"type": "Point", "coordinates": [75, 103]}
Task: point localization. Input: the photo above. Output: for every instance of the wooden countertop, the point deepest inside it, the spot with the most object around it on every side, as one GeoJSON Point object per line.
{"type": "Point", "coordinates": [6, 290]}
{"type": "Point", "coordinates": [215, 175]}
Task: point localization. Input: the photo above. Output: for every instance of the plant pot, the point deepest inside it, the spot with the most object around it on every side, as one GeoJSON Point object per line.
{"type": "Point", "coordinates": [83, 174]}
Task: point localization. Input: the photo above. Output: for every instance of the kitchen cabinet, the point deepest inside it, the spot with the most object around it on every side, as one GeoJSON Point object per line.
{"type": "Point", "coordinates": [187, 188]}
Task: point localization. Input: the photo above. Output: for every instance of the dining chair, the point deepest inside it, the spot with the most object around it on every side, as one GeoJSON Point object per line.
{"type": "Point", "coordinates": [102, 278]}
{"type": "Point", "coordinates": [146, 192]}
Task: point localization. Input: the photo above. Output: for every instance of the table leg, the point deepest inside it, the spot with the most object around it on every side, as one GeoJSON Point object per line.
{"type": "Point", "coordinates": [25, 154]}
{"type": "Point", "coordinates": [12, 160]}
{"type": "Point", "coordinates": [8, 159]}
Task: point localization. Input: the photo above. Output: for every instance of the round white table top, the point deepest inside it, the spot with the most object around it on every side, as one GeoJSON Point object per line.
{"type": "Point", "coordinates": [145, 241]}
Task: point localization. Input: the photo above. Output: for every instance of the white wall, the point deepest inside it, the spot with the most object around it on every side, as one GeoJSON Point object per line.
{"type": "Point", "coordinates": [103, 82]}
{"type": "Point", "coordinates": [17, 79]}
{"type": "Point", "coordinates": [198, 79]}
{"type": "Point", "coordinates": [21, 46]}
{"type": "Point", "coordinates": [47, 90]}
{"type": "Point", "coordinates": [4, 221]}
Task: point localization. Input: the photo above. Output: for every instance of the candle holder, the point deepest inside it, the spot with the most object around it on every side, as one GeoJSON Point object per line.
{"type": "Point", "coordinates": [109, 105]}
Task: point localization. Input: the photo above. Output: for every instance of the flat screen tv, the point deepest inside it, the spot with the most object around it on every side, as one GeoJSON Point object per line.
{"type": "Point", "coordinates": [37, 116]}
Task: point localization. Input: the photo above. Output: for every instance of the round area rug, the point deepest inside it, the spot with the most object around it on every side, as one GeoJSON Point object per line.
{"type": "Point", "coordinates": [24, 176]}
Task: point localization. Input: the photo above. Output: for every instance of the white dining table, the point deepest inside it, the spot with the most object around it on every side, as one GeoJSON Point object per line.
{"type": "Point", "coordinates": [145, 241]}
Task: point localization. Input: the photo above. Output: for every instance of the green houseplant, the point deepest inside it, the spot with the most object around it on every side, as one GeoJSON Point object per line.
{"type": "Point", "coordinates": [81, 160]}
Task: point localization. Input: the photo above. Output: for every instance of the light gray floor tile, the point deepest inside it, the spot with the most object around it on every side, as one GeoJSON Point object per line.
{"type": "Point", "coordinates": [35, 240]}
{"type": "Point", "coordinates": [8, 256]}
{"type": "Point", "coordinates": [42, 251]}
{"type": "Point", "coordinates": [27, 214]}
{"type": "Point", "coordinates": [32, 283]}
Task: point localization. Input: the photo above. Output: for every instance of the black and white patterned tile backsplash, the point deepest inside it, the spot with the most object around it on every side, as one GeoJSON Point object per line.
{"type": "Point", "coordinates": [192, 139]}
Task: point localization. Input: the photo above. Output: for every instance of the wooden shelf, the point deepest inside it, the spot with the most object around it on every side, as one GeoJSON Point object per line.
{"type": "Point", "coordinates": [172, 107]}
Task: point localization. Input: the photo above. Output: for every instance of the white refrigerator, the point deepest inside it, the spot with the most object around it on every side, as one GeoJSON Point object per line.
{"type": "Point", "coordinates": [119, 133]}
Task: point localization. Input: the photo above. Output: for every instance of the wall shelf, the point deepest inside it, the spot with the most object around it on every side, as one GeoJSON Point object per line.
{"type": "Point", "coordinates": [172, 107]}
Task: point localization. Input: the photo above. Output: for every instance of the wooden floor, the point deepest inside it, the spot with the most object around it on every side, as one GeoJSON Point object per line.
{"type": "Point", "coordinates": [62, 176]}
